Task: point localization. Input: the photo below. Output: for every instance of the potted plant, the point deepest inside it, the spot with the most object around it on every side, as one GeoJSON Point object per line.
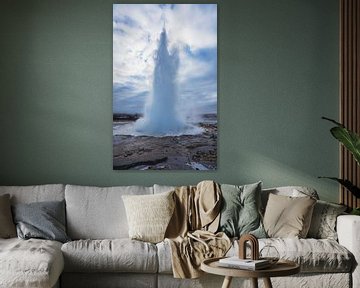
{"type": "Point", "coordinates": [351, 141]}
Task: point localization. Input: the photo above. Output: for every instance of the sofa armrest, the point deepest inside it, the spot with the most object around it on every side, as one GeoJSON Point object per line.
{"type": "Point", "coordinates": [348, 230]}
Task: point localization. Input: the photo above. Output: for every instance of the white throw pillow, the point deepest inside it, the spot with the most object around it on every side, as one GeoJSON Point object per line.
{"type": "Point", "coordinates": [149, 215]}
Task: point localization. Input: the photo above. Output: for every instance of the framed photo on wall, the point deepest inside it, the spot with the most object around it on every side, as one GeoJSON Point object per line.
{"type": "Point", "coordinates": [165, 86]}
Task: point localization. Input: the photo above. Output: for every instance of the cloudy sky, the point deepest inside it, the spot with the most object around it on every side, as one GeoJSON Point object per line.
{"type": "Point", "coordinates": [191, 29]}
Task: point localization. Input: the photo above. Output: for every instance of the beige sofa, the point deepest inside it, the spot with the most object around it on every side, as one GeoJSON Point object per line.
{"type": "Point", "coordinates": [101, 254]}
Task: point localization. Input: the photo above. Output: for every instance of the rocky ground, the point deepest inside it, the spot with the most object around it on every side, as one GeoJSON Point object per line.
{"type": "Point", "coordinates": [185, 152]}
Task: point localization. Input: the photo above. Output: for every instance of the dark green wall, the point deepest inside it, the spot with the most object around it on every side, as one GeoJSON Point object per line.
{"type": "Point", "coordinates": [278, 74]}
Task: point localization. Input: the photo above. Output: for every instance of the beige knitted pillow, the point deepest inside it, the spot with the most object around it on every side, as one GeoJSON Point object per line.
{"type": "Point", "coordinates": [149, 215]}
{"type": "Point", "coordinates": [288, 217]}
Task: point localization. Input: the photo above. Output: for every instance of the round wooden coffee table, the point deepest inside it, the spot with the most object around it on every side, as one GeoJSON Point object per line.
{"type": "Point", "coordinates": [281, 268]}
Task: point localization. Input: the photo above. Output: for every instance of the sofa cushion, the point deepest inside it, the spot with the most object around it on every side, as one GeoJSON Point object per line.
{"type": "Point", "coordinates": [291, 191]}
{"type": "Point", "coordinates": [98, 213]}
{"type": "Point", "coordinates": [323, 222]}
{"type": "Point", "coordinates": [240, 210]}
{"type": "Point", "coordinates": [43, 220]}
{"type": "Point", "coordinates": [287, 216]}
{"type": "Point", "coordinates": [117, 255]}
{"type": "Point", "coordinates": [163, 188]}
{"type": "Point", "coordinates": [164, 257]}
{"type": "Point", "coordinates": [149, 215]}
{"type": "Point", "coordinates": [36, 193]}
{"type": "Point", "coordinates": [7, 226]}
{"type": "Point", "coordinates": [313, 255]}
{"type": "Point", "coordinates": [30, 263]}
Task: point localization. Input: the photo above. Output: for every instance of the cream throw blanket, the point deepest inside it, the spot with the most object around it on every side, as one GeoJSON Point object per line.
{"type": "Point", "coordinates": [191, 231]}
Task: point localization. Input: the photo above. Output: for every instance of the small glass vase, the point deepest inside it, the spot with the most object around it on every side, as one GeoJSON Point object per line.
{"type": "Point", "coordinates": [270, 253]}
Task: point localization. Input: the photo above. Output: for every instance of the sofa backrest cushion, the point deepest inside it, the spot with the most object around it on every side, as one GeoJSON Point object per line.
{"type": "Point", "coordinates": [98, 213]}
{"type": "Point", "coordinates": [163, 188]}
{"type": "Point", "coordinates": [37, 193]}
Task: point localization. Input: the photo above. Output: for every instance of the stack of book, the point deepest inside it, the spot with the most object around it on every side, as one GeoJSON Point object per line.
{"type": "Point", "coordinates": [248, 264]}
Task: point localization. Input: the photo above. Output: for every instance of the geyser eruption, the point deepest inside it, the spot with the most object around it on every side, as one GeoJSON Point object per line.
{"type": "Point", "coordinates": [161, 116]}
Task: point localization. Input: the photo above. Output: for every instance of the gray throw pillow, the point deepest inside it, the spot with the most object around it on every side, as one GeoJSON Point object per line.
{"type": "Point", "coordinates": [44, 220]}
{"type": "Point", "coordinates": [240, 213]}
{"type": "Point", "coordinates": [7, 227]}
{"type": "Point", "coordinates": [323, 222]}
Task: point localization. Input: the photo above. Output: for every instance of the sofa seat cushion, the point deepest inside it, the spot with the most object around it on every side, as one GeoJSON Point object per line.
{"type": "Point", "coordinates": [30, 263]}
{"type": "Point", "coordinates": [164, 257]}
{"type": "Point", "coordinates": [115, 255]}
{"type": "Point", "coordinates": [313, 255]}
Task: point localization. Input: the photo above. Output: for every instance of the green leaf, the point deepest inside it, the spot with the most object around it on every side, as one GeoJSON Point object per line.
{"type": "Point", "coordinates": [348, 138]}
{"type": "Point", "coordinates": [355, 211]}
{"type": "Point", "coordinates": [347, 184]}
{"type": "Point", "coordinates": [333, 121]}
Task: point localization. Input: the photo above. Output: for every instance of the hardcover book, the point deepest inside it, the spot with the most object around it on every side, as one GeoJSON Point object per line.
{"type": "Point", "coordinates": [236, 262]}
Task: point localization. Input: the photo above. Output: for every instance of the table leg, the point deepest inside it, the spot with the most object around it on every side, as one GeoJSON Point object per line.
{"type": "Point", "coordinates": [227, 282]}
{"type": "Point", "coordinates": [254, 282]}
{"type": "Point", "coordinates": [267, 283]}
